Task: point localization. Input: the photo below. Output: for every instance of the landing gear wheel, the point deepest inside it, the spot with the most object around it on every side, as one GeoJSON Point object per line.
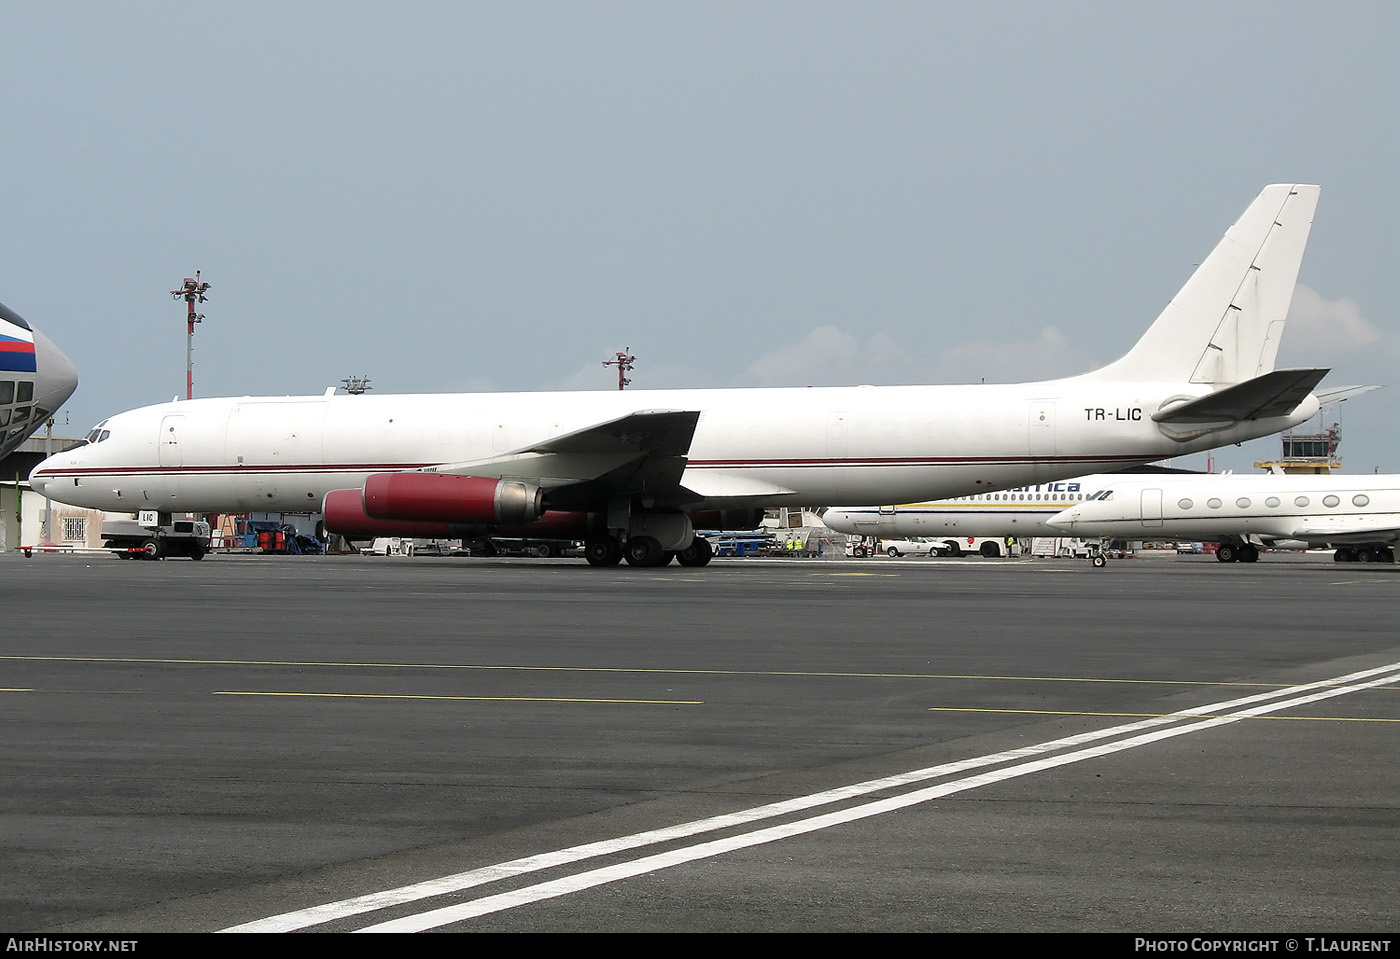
{"type": "Point", "coordinates": [603, 552]}
{"type": "Point", "coordinates": [698, 553]}
{"type": "Point", "coordinates": [1249, 554]}
{"type": "Point", "coordinates": [644, 551]}
{"type": "Point", "coordinates": [1226, 553]}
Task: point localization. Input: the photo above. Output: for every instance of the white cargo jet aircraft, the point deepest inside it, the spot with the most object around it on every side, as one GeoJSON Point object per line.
{"type": "Point", "coordinates": [634, 472]}
{"type": "Point", "coordinates": [1358, 515]}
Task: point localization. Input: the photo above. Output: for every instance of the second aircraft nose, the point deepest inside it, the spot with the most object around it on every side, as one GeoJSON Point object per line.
{"type": "Point", "coordinates": [55, 377]}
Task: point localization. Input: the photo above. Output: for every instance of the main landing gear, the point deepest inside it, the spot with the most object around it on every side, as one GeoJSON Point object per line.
{"type": "Point", "coordinates": [646, 551]}
{"type": "Point", "coordinates": [1229, 553]}
{"type": "Point", "coordinates": [1364, 554]}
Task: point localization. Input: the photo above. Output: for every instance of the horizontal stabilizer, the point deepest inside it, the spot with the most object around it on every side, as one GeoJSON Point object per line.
{"type": "Point", "coordinates": [1277, 393]}
{"type": "Point", "coordinates": [1338, 394]}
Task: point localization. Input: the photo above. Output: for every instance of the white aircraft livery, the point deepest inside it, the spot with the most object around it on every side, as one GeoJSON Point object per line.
{"type": "Point", "coordinates": [35, 380]}
{"type": "Point", "coordinates": [631, 472]}
{"type": "Point", "coordinates": [1358, 515]}
{"type": "Point", "coordinates": [1020, 512]}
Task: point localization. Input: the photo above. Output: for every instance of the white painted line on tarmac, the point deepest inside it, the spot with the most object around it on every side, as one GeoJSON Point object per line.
{"type": "Point", "coordinates": [1141, 733]}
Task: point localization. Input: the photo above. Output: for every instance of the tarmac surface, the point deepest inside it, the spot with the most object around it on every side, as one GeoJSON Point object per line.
{"type": "Point", "coordinates": [338, 743]}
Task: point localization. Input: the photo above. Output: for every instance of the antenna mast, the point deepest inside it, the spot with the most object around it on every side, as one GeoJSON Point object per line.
{"type": "Point", "coordinates": [623, 363]}
{"type": "Point", "coordinates": [193, 289]}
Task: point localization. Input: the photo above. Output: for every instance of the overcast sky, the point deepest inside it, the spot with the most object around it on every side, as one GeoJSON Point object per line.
{"type": "Point", "coordinates": [499, 196]}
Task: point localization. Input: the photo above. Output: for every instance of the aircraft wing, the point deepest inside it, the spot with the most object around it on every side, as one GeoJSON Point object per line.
{"type": "Point", "coordinates": [1376, 527]}
{"type": "Point", "coordinates": [1276, 393]}
{"type": "Point", "coordinates": [642, 452]}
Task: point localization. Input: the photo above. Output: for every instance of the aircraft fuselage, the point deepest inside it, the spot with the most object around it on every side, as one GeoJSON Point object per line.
{"type": "Point", "coordinates": [826, 446]}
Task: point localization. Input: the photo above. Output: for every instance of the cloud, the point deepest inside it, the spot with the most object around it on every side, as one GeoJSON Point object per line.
{"type": "Point", "coordinates": [830, 356]}
{"type": "Point", "coordinates": [1315, 323]}
{"type": "Point", "coordinates": [997, 361]}
{"type": "Point", "coordinates": [825, 355]}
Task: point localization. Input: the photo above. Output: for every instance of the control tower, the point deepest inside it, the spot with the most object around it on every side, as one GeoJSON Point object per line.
{"type": "Point", "coordinates": [1305, 453]}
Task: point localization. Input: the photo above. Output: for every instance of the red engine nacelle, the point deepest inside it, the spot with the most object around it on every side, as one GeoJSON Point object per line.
{"type": "Point", "coordinates": [445, 498]}
{"type": "Point", "coordinates": [345, 515]}
{"type": "Point", "coordinates": [344, 512]}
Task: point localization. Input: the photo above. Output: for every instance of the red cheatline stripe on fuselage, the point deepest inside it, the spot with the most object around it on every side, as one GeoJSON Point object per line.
{"type": "Point", "coordinates": [130, 471]}
{"type": "Point", "coordinates": [913, 461]}
{"type": "Point", "coordinates": [233, 470]}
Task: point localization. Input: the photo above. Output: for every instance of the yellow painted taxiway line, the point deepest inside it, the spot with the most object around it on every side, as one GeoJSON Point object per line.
{"type": "Point", "coordinates": [467, 699]}
{"type": "Point", "coordinates": [645, 671]}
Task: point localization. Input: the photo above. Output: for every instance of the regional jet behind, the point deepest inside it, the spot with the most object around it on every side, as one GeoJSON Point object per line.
{"type": "Point", "coordinates": [633, 473]}
{"type": "Point", "coordinates": [1359, 516]}
{"type": "Point", "coordinates": [1021, 512]}
{"type": "Point", "coordinates": [35, 380]}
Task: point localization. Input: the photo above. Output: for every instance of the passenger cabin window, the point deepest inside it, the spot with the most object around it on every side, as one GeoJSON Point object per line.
{"type": "Point", "coordinates": [1330, 500]}
{"type": "Point", "coordinates": [1213, 502]}
{"type": "Point", "coordinates": [1272, 502]}
{"type": "Point", "coordinates": [1360, 499]}
{"type": "Point", "coordinates": [1185, 503]}
{"type": "Point", "coordinates": [1301, 501]}
{"type": "Point", "coordinates": [1242, 502]}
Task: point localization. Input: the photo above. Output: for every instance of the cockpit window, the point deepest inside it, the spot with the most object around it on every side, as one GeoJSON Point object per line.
{"type": "Point", "coordinates": [10, 316]}
{"type": "Point", "coordinates": [99, 434]}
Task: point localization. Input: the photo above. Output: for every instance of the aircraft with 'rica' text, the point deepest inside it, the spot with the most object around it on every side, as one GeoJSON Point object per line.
{"type": "Point", "coordinates": [634, 473]}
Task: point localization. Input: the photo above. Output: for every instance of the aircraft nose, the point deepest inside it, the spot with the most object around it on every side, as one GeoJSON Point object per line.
{"type": "Point", "coordinates": [55, 377]}
{"type": "Point", "coordinates": [1065, 519]}
{"type": "Point", "coordinates": [39, 483]}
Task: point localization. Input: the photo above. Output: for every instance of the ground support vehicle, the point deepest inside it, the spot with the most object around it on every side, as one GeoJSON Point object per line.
{"type": "Point", "coordinates": [153, 537]}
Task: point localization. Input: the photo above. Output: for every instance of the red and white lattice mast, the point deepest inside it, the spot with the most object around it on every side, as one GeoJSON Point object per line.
{"type": "Point", "coordinates": [193, 290]}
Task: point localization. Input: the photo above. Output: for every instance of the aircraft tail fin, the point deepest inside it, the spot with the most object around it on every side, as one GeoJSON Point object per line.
{"type": "Point", "coordinates": [1224, 325]}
